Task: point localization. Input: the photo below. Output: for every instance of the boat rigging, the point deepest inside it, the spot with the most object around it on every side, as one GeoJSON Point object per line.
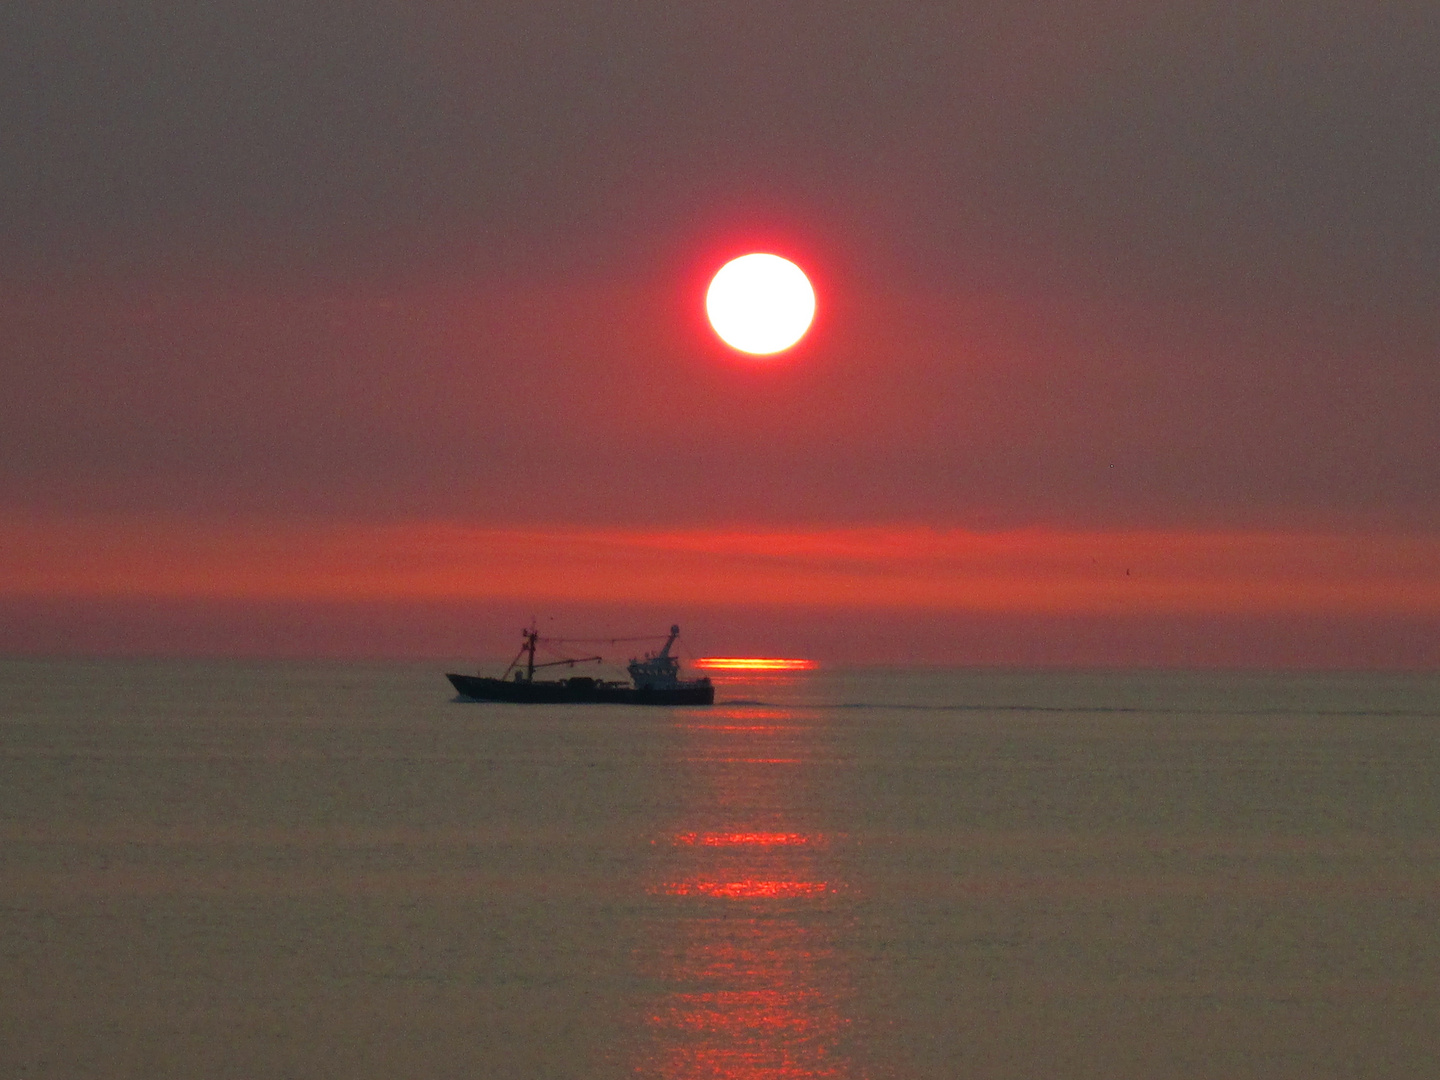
{"type": "Point", "coordinates": [655, 677]}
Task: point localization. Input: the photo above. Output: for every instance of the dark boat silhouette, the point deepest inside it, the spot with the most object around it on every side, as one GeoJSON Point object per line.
{"type": "Point", "coordinates": [655, 680]}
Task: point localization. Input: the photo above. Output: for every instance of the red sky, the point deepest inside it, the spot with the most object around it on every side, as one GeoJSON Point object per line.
{"type": "Point", "coordinates": [305, 586]}
{"type": "Point", "coordinates": [303, 309]}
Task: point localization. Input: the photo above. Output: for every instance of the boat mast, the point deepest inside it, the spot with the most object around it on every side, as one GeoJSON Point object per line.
{"type": "Point", "coordinates": [531, 636]}
{"type": "Point", "coordinates": [665, 652]}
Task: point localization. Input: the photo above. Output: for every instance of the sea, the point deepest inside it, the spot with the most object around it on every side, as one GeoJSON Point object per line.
{"type": "Point", "coordinates": [296, 870]}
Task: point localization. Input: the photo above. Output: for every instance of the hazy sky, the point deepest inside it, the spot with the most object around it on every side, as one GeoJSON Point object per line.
{"type": "Point", "coordinates": [1103, 265]}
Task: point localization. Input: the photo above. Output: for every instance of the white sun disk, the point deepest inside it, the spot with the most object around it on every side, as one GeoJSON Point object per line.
{"type": "Point", "coordinates": [760, 304]}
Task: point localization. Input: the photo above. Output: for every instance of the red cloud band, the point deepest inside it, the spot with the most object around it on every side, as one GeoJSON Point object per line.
{"type": "Point", "coordinates": [897, 568]}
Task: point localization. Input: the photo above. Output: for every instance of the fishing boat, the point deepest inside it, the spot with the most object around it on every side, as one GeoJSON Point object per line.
{"type": "Point", "coordinates": [655, 679]}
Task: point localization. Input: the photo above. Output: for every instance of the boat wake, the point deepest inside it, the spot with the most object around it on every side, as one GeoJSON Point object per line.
{"type": "Point", "coordinates": [962, 707]}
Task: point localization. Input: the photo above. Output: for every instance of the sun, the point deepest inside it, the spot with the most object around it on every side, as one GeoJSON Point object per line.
{"type": "Point", "coordinates": [760, 304]}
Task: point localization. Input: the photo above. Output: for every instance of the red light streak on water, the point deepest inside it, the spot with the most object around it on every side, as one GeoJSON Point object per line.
{"type": "Point", "coordinates": [757, 1005]}
{"type": "Point", "coordinates": [754, 663]}
{"type": "Point", "coordinates": [754, 988]}
{"type": "Point", "coordinates": [761, 839]}
{"type": "Point", "coordinates": [742, 719]}
{"type": "Point", "coordinates": [739, 729]}
{"type": "Point", "coordinates": [749, 890]}
{"type": "Point", "coordinates": [747, 760]}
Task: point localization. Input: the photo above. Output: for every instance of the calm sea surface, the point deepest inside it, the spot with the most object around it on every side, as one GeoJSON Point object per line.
{"type": "Point", "coordinates": [226, 870]}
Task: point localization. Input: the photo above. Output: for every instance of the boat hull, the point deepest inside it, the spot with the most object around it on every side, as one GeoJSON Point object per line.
{"type": "Point", "coordinates": [580, 691]}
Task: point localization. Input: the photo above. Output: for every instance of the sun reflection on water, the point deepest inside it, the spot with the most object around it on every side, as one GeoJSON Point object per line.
{"type": "Point", "coordinates": [754, 987]}
{"type": "Point", "coordinates": [754, 663]}
{"type": "Point", "coordinates": [759, 839]}
{"type": "Point", "coordinates": [738, 890]}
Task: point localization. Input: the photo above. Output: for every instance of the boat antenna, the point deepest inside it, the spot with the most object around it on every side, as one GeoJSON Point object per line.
{"type": "Point", "coordinates": [529, 638]}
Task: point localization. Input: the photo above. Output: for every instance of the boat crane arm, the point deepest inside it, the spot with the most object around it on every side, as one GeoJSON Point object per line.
{"type": "Point", "coordinates": [599, 640]}
{"type": "Point", "coordinates": [532, 640]}
{"type": "Point", "coordinates": [572, 663]}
